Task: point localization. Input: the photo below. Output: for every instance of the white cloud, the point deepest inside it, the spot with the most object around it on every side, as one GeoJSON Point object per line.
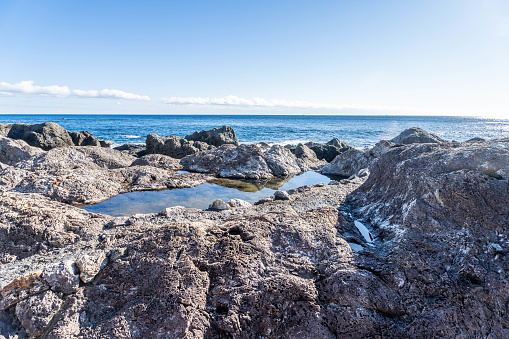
{"type": "Point", "coordinates": [28, 87]}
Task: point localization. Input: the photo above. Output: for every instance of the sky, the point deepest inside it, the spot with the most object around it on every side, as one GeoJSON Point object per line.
{"type": "Point", "coordinates": [446, 57]}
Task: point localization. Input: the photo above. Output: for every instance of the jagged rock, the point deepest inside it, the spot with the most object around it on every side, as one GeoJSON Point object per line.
{"type": "Point", "coordinates": [174, 146]}
{"type": "Point", "coordinates": [235, 203]}
{"type": "Point", "coordinates": [329, 150]}
{"type": "Point", "coordinates": [380, 148]}
{"type": "Point", "coordinates": [305, 153]}
{"type": "Point", "coordinates": [219, 205]}
{"type": "Point", "coordinates": [281, 195]}
{"type": "Point", "coordinates": [244, 162]}
{"type": "Point", "coordinates": [21, 288]}
{"type": "Point", "coordinates": [14, 151]}
{"type": "Point", "coordinates": [36, 313]}
{"type": "Point", "coordinates": [106, 143]}
{"type": "Point", "coordinates": [215, 137]}
{"type": "Point", "coordinates": [47, 135]}
{"type": "Point", "coordinates": [90, 265]}
{"type": "Point", "coordinates": [84, 138]}
{"type": "Point", "coordinates": [416, 135]}
{"type": "Point", "coordinates": [135, 150]}
{"type": "Point", "coordinates": [62, 277]}
{"type": "Point", "coordinates": [347, 163]}
{"type": "Point", "coordinates": [50, 135]}
{"type": "Point", "coordinates": [158, 161]}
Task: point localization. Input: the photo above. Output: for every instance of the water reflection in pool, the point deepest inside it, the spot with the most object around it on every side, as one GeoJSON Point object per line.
{"type": "Point", "coordinates": [200, 196]}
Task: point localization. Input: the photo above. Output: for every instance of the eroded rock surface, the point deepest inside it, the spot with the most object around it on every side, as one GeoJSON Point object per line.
{"type": "Point", "coordinates": [255, 161]}
{"type": "Point", "coordinates": [416, 135]}
{"type": "Point", "coordinates": [216, 136]}
{"type": "Point", "coordinates": [174, 146]}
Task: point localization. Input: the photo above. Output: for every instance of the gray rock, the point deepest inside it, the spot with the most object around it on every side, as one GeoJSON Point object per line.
{"type": "Point", "coordinates": [90, 265]}
{"type": "Point", "coordinates": [21, 288]}
{"type": "Point", "coordinates": [47, 135]}
{"type": "Point", "coordinates": [281, 195]}
{"type": "Point", "coordinates": [84, 138]}
{"type": "Point", "coordinates": [36, 313]}
{"type": "Point", "coordinates": [363, 173]}
{"type": "Point", "coordinates": [329, 150]}
{"type": "Point", "coordinates": [62, 277]}
{"type": "Point", "coordinates": [174, 146]}
{"type": "Point", "coordinates": [14, 151]}
{"type": "Point", "coordinates": [235, 203]}
{"type": "Point", "coordinates": [158, 161]}
{"type": "Point", "coordinates": [219, 205]}
{"type": "Point", "coordinates": [106, 143]}
{"type": "Point", "coordinates": [244, 162]}
{"type": "Point", "coordinates": [132, 149]}
{"type": "Point", "coordinates": [347, 163]}
{"type": "Point", "coordinates": [305, 153]}
{"type": "Point", "coordinates": [265, 200]}
{"type": "Point", "coordinates": [215, 137]}
{"type": "Point", "coordinates": [416, 135]}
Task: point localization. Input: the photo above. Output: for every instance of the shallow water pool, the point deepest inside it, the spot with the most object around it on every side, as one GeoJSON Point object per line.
{"type": "Point", "coordinates": [201, 196]}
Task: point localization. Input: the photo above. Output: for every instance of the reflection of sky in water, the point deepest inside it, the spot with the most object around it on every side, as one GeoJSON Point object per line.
{"type": "Point", "coordinates": [197, 197]}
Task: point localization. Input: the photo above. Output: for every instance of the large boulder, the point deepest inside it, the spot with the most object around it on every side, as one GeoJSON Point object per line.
{"type": "Point", "coordinates": [347, 163]}
{"type": "Point", "coordinates": [254, 161]}
{"type": "Point", "coordinates": [416, 135]}
{"type": "Point", "coordinates": [174, 146]}
{"type": "Point", "coordinates": [329, 150]}
{"type": "Point", "coordinates": [215, 137]}
{"type": "Point", "coordinates": [14, 151]}
{"type": "Point", "coordinates": [50, 135]}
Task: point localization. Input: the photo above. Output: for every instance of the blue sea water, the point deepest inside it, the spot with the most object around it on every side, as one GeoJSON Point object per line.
{"type": "Point", "coordinates": [355, 130]}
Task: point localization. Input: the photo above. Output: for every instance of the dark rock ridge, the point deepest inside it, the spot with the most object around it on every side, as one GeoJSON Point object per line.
{"type": "Point", "coordinates": [256, 161]}
{"type": "Point", "coordinates": [174, 146]}
{"type": "Point", "coordinates": [215, 137]}
{"type": "Point", "coordinates": [49, 135]}
{"type": "Point", "coordinates": [329, 150]}
{"type": "Point", "coordinates": [416, 135]}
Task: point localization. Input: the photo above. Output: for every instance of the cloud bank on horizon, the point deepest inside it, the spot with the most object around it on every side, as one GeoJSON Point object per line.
{"type": "Point", "coordinates": [28, 88]}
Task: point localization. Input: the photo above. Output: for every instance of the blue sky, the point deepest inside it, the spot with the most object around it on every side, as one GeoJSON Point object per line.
{"type": "Point", "coordinates": [447, 57]}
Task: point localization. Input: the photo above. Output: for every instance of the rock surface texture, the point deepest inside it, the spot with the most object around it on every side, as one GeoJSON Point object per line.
{"type": "Point", "coordinates": [418, 248]}
{"type": "Point", "coordinates": [174, 146]}
{"type": "Point", "coordinates": [49, 135]}
{"type": "Point", "coordinates": [215, 137]}
{"type": "Point", "coordinates": [255, 161]}
{"type": "Point", "coordinates": [416, 135]}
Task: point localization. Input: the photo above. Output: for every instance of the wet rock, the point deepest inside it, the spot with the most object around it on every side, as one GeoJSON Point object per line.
{"type": "Point", "coordinates": [219, 205]}
{"type": "Point", "coordinates": [235, 203]}
{"type": "Point", "coordinates": [90, 265]}
{"type": "Point", "coordinates": [14, 151]}
{"type": "Point", "coordinates": [174, 146]}
{"type": "Point", "coordinates": [244, 162]}
{"type": "Point", "coordinates": [347, 163]}
{"type": "Point", "coordinates": [215, 137]}
{"type": "Point", "coordinates": [62, 277]}
{"type": "Point", "coordinates": [416, 135]}
{"type": "Point", "coordinates": [281, 195]}
{"type": "Point", "coordinates": [36, 313]}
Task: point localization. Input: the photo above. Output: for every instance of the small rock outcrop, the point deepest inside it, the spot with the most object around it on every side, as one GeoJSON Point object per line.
{"type": "Point", "coordinates": [329, 150]}
{"type": "Point", "coordinates": [219, 205]}
{"type": "Point", "coordinates": [215, 137]}
{"type": "Point", "coordinates": [49, 135]}
{"type": "Point", "coordinates": [62, 277]}
{"type": "Point", "coordinates": [174, 146]}
{"type": "Point", "coordinates": [235, 203]}
{"type": "Point", "coordinates": [14, 151]}
{"type": "Point", "coordinates": [244, 162]}
{"type": "Point", "coordinates": [347, 163]}
{"type": "Point", "coordinates": [416, 135]}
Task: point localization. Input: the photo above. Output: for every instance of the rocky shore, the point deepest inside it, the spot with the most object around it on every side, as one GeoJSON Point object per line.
{"type": "Point", "coordinates": [297, 264]}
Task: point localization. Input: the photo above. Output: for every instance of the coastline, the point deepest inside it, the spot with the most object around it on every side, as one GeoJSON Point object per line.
{"type": "Point", "coordinates": [293, 263]}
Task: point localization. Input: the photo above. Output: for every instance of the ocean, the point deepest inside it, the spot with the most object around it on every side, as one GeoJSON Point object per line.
{"type": "Point", "coordinates": [356, 130]}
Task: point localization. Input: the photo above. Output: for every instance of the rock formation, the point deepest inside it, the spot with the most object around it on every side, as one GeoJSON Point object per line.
{"type": "Point", "coordinates": [215, 137]}
{"type": "Point", "coordinates": [254, 161]}
{"type": "Point", "coordinates": [415, 249]}
{"type": "Point", "coordinates": [174, 146]}
{"type": "Point", "coordinates": [416, 135]}
{"type": "Point", "coordinates": [330, 150]}
{"type": "Point", "coordinates": [49, 135]}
